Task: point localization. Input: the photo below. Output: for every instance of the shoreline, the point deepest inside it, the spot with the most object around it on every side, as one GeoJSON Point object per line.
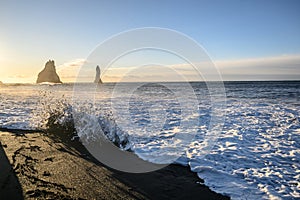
{"type": "Point", "coordinates": [43, 165]}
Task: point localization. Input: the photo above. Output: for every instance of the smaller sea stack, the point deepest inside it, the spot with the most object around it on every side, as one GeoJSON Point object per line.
{"type": "Point", "coordinates": [98, 74]}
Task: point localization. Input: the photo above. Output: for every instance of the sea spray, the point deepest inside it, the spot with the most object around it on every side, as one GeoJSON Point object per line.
{"type": "Point", "coordinates": [53, 113]}
{"type": "Point", "coordinates": [91, 128]}
{"type": "Point", "coordinates": [56, 114]}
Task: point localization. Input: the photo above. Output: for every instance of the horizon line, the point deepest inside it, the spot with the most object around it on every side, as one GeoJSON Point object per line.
{"type": "Point", "coordinates": [109, 82]}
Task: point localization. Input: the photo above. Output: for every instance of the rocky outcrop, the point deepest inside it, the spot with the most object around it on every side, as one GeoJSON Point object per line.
{"type": "Point", "coordinates": [98, 74]}
{"type": "Point", "coordinates": [48, 74]}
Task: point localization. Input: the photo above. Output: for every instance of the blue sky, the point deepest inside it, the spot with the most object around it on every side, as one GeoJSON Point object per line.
{"type": "Point", "coordinates": [35, 31]}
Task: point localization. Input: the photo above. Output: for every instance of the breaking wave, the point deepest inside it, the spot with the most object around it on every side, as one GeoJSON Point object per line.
{"type": "Point", "coordinates": [58, 115]}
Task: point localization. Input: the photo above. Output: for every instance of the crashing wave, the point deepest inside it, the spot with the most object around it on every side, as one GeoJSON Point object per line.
{"type": "Point", "coordinates": [59, 116]}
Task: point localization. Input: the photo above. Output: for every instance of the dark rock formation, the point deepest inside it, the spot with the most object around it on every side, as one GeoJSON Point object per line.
{"type": "Point", "coordinates": [48, 74]}
{"type": "Point", "coordinates": [98, 73]}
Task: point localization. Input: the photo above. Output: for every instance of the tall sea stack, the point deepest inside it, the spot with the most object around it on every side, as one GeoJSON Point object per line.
{"type": "Point", "coordinates": [98, 73]}
{"type": "Point", "coordinates": [48, 74]}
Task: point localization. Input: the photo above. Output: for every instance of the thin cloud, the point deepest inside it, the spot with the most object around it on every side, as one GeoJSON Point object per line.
{"type": "Point", "coordinates": [282, 67]}
{"type": "Point", "coordinates": [285, 64]}
{"type": "Point", "coordinates": [68, 71]}
{"type": "Point", "coordinates": [71, 65]}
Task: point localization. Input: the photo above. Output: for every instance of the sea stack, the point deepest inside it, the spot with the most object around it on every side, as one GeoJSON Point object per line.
{"type": "Point", "coordinates": [98, 73]}
{"type": "Point", "coordinates": [48, 74]}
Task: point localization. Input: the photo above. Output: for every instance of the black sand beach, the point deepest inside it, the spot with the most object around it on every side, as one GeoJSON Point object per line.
{"type": "Point", "coordinates": [44, 166]}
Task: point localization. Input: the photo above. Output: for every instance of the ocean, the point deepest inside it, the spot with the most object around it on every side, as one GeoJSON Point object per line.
{"type": "Point", "coordinates": [255, 154]}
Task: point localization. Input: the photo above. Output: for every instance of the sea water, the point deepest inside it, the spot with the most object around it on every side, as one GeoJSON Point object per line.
{"type": "Point", "coordinates": [256, 154]}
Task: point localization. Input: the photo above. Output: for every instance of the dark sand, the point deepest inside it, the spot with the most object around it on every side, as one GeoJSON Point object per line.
{"type": "Point", "coordinates": [40, 166]}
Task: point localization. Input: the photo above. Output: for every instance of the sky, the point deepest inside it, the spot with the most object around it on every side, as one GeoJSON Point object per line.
{"type": "Point", "coordinates": [247, 40]}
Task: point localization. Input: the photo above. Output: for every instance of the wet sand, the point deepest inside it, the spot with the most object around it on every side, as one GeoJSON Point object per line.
{"type": "Point", "coordinates": [43, 166]}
